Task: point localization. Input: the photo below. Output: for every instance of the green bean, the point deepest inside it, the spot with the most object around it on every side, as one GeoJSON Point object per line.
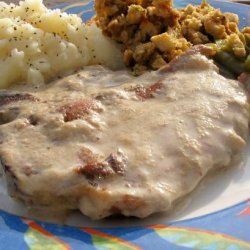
{"type": "Point", "coordinates": [230, 62]}
{"type": "Point", "coordinates": [247, 64]}
{"type": "Point", "coordinates": [212, 46]}
{"type": "Point", "coordinates": [223, 45]}
{"type": "Point", "coordinates": [226, 72]}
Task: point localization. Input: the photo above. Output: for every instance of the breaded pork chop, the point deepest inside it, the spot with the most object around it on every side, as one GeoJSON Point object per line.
{"type": "Point", "coordinates": [108, 143]}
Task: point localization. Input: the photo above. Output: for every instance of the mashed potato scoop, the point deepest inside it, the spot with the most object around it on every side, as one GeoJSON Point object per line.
{"type": "Point", "coordinates": [38, 44]}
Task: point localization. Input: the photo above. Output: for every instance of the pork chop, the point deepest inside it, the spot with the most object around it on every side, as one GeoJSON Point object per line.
{"type": "Point", "coordinates": [108, 143]}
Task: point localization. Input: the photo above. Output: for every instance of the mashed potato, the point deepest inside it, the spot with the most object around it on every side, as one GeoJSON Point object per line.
{"type": "Point", "coordinates": [38, 44]}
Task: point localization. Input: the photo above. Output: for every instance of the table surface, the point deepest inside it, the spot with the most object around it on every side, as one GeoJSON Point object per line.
{"type": "Point", "coordinates": [59, 2]}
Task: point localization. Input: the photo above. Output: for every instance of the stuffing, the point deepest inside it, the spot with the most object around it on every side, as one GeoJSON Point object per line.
{"type": "Point", "coordinates": [153, 32]}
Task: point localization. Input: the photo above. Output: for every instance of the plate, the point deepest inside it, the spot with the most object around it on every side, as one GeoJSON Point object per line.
{"type": "Point", "coordinates": [217, 218]}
